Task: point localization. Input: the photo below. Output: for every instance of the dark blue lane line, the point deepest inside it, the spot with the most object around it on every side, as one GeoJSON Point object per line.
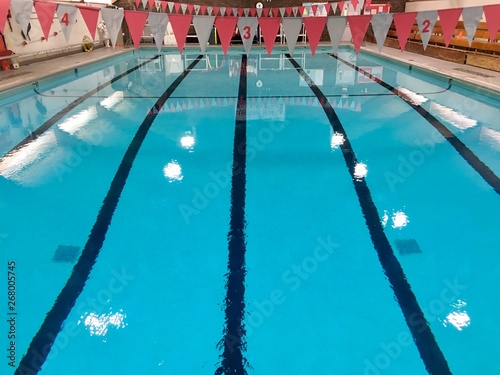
{"type": "Point", "coordinates": [40, 346]}
{"type": "Point", "coordinates": [470, 157]}
{"type": "Point", "coordinates": [233, 342]}
{"type": "Point", "coordinates": [63, 112]}
{"type": "Point", "coordinates": [430, 352]}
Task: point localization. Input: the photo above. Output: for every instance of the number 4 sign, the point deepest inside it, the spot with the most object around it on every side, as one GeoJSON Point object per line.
{"type": "Point", "coordinates": [248, 28]}
{"type": "Point", "coordinates": [67, 16]}
{"type": "Point", "coordinates": [426, 21]}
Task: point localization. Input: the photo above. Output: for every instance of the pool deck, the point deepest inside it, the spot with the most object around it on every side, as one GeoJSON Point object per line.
{"type": "Point", "coordinates": [30, 73]}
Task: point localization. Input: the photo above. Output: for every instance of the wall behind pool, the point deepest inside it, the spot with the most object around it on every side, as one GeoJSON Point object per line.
{"type": "Point", "coordinates": [14, 38]}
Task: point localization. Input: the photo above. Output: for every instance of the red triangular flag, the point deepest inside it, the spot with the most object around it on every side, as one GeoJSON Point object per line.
{"type": "Point", "coordinates": [228, 11]}
{"type": "Point", "coordinates": [240, 12]}
{"type": "Point", "coordinates": [190, 8]}
{"type": "Point", "coordinates": [358, 26]}
{"type": "Point", "coordinates": [341, 6]}
{"type": "Point", "coordinates": [449, 19]}
{"type": "Point", "coordinates": [164, 6]}
{"type": "Point", "coordinates": [45, 13]}
{"type": "Point", "coordinates": [265, 11]}
{"type": "Point", "coordinates": [269, 27]}
{"type": "Point", "coordinates": [253, 12]}
{"type": "Point", "coordinates": [4, 11]}
{"type": "Point", "coordinates": [137, 2]}
{"type": "Point", "coordinates": [225, 29]}
{"type": "Point", "coordinates": [203, 10]}
{"type": "Point", "coordinates": [288, 11]}
{"type": "Point", "coordinates": [90, 15]}
{"type": "Point", "coordinates": [301, 10]}
{"type": "Point", "coordinates": [354, 4]}
{"type": "Point", "coordinates": [180, 26]}
{"type": "Point", "coordinates": [216, 11]}
{"type": "Point", "coordinates": [135, 22]}
{"type": "Point", "coordinates": [314, 9]}
{"type": "Point", "coordinates": [404, 23]}
{"type": "Point", "coordinates": [314, 28]}
{"type": "Point", "coordinates": [150, 4]}
{"type": "Point", "coordinates": [327, 8]}
{"type": "Point", "coordinates": [492, 14]}
{"type": "Point", "coordinates": [177, 7]}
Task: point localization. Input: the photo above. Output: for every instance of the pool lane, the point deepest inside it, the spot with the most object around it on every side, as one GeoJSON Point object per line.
{"type": "Point", "coordinates": [439, 214]}
{"type": "Point", "coordinates": [40, 346]}
{"type": "Point", "coordinates": [489, 176]}
{"type": "Point", "coordinates": [317, 299]}
{"type": "Point", "coordinates": [169, 237]}
{"type": "Point", "coordinates": [422, 334]}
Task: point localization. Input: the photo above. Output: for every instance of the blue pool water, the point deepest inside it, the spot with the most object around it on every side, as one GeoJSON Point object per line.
{"type": "Point", "coordinates": [195, 214]}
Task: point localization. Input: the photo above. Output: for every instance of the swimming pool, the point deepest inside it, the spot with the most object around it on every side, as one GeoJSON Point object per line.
{"type": "Point", "coordinates": [250, 214]}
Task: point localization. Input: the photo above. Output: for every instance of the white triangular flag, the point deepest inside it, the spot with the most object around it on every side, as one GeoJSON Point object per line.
{"type": "Point", "coordinates": [471, 16]}
{"type": "Point", "coordinates": [295, 10]}
{"type": "Point", "coordinates": [248, 28]}
{"type": "Point", "coordinates": [113, 22]}
{"type": "Point", "coordinates": [67, 18]}
{"type": "Point", "coordinates": [170, 6]}
{"type": "Point", "coordinates": [380, 25]}
{"type": "Point", "coordinates": [246, 11]}
{"type": "Point", "coordinates": [336, 26]}
{"type": "Point", "coordinates": [203, 27]}
{"type": "Point", "coordinates": [282, 11]}
{"type": "Point", "coordinates": [291, 28]}
{"type": "Point", "coordinates": [197, 9]}
{"type": "Point", "coordinates": [22, 13]}
{"type": "Point", "coordinates": [184, 8]}
{"type": "Point", "coordinates": [426, 21]}
{"type": "Point", "coordinates": [158, 23]}
{"type": "Point", "coordinates": [259, 12]}
{"type": "Point", "coordinates": [210, 10]}
{"type": "Point", "coordinates": [144, 2]}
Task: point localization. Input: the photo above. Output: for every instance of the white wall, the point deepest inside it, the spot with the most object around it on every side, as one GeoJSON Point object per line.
{"type": "Point", "coordinates": [14, 39]}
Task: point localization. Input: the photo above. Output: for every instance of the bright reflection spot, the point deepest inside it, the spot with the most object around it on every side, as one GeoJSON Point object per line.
{"type": "Point", "coordinates": [98, 324]}
{"type": "Point", "coordinates": [36, 150]}
{"type": "Point", "coordinates": [413, 96]}
{"type": "Point", "coordinates": [336, 141]}
{"type": "Point", "coordinates": [187, 141]}
{"type": "Point", "coordinates": [74, 123]}
{"type": "Point", "coordinates": [173, 171]}
{"type": "Point", "coordinates": [112, 100]}
{"type": "Point", "coordinates": [459, 319]}
{"type": "Point", "coordinates": [399, 219]}
{"type": "Point", "coordinates": [385, 218]}
{"type": "Point", "coordinates": [360, 170]}
{"type": "Point", "coordinates": [456, 119]}
{"type": "Point", "coordinates": [490, 136]}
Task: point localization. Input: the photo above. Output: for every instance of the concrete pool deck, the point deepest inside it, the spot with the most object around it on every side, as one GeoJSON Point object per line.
{"type": "Point", "coordinates": [26, 74]}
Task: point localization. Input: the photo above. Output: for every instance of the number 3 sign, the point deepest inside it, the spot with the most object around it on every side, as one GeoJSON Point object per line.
{"type": "Point", "coordinates": [248, 27]}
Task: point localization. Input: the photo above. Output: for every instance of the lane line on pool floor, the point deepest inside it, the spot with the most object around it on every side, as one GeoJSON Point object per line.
{"type": "Point", "coordinates": [233, 341]}
{"type": "Point", "coordinates": [467, 154]}
{"type": "Point", "coordinates": [63, 112]}
{"type": "Point", "coordinates": [425, 341]}
{"type": "Point", "coordinates": [40, 346]}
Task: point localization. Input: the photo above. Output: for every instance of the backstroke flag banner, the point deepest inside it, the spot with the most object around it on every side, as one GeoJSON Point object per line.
{"type": "Point", "coordinates": [158, 23]}
{"type": "Point", "coordinates": [296, 21]}
{"type": "Point", "coordinates": [67, 18]}
{"type": "Point", "coordinates": [113, 20]}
